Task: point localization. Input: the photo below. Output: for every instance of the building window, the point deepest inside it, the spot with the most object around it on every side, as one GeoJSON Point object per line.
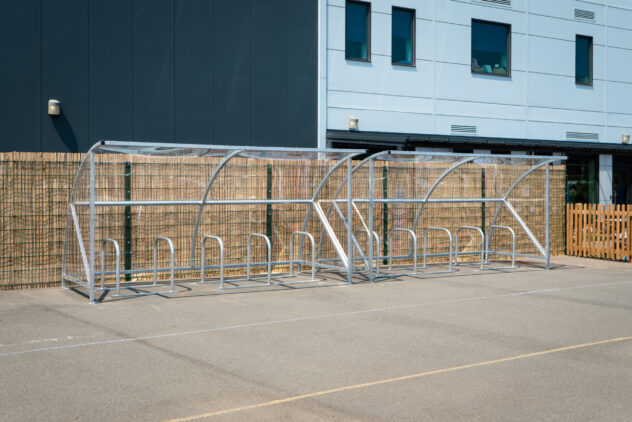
{"type": "Point", "coordinates": [358, 30]}
{"type": "Point", "coordinates": [583, 60]}
{"type": "Point", "coordinates": [403, 36]}
{"type": "Point", "coordinates": [491, 48]}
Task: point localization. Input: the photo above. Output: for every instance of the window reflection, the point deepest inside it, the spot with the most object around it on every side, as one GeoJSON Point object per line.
{"type": "Point", "coordinates": [583, 60]}
{"type": "Point", "coordinates": [402, 36]}
{"type": "Point", "coordinates": [357, 30]}
{"type": "Point", "coordinates": [491, 48]}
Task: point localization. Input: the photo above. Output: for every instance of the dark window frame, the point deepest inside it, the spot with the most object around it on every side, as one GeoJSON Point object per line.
{"type": "Point", "coordinates": [590, 60]}
{"type": "Point", "coordinates": [479, 72]}
{"type": "Point", "coordinates": [413, 32]}
{"type": "Point", "coordinates": [368, 32]}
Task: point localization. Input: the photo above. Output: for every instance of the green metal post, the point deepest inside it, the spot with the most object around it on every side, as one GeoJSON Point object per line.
{"type": "Point", "coordinates": [483, 203]}
{"type": "Point", "coordinates": [385, 211]}
{"type": "Point", "coordinates": [128, 221]}
{"type": "Point", "coordinates": [269, 206]}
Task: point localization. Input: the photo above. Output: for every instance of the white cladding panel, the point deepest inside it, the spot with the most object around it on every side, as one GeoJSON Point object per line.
{"type": "Point", "coordinates": [540, 99]}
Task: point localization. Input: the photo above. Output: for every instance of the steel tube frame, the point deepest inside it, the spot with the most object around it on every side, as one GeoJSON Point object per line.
{"type": "Point", "coordinates": [302, 234]}
{"type": "Point", "coordinates": [441, 229]}
{"type": "Point", "coordinates": [220, 242]}
{"type": "Point", "coordinates": [513, 244]}
{"type": "Point", "coordinates": [117, 273]}
{"type": "Point", "coordinates": [456, 244]}
{"type": "Point", "coordinates": [354, 240]}
{"type": "Point", "coordinates": [229, 152]}
{"type": "Point", "coordinates": [92, 228]}
{"type": "Point", "coordinates": [547, 218]}
{"type": "Point", "coordinates": [82, 249]}
{"type": "Point", "coordinates": [546, 161]}
{"type": "Point", "coordinates": [172, 261]}
{"type": "Point", "coordinates": [269, 262]}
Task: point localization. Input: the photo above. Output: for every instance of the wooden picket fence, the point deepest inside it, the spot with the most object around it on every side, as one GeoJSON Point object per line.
{"type": "Point", "coordinates": [599, 231]}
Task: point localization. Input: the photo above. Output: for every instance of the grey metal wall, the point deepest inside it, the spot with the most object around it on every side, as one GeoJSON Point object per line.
{"type": "Point", "coordinates": [210, 71]}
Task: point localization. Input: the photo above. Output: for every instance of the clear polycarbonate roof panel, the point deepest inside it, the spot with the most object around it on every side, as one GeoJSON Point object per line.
{"type": "Point", "coordinates": [194, 150]}
{"type": "Point", "coordinates": [421, 157]}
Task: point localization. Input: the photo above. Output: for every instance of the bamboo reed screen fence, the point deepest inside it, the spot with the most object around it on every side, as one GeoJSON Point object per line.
{"type": "Point", "coordinates": [599, 231]}
{"type": "Point", "coordinates": [35, 189]}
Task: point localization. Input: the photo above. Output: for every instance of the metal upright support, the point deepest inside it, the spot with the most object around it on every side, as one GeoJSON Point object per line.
{"type": "Point", "coordinates": [371, 233]}
{"type": "Point", "coordinates": [92, 227]}
{"type": "Point", "coordinates": [117, 251]}
{"type": "Point", "coordinates": [547, 217]}
{"type": "Point", "coordinates": [269, 248]}
{"type": "Point", "coordinates": [172, 261]}
{"type": "Point", "coordinates": [349, 221]}
{"type": "Point", "coordinates": [221, 259]}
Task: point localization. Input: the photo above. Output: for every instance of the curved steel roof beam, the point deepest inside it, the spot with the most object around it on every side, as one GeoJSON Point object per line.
{"type": "Point", "coordinates": [516, 183]}
{"type": "Point", "coordinates": [209, 184]}
{"type": "Point", "coordinates": [436, 184]}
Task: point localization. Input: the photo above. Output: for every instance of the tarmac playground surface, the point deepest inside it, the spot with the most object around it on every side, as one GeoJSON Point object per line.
{"type": "Point", "coordinates": [514, 345]}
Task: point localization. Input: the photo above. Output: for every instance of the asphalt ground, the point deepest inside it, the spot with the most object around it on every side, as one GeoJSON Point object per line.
{"type": "Point", "coordinates": [526, 344]}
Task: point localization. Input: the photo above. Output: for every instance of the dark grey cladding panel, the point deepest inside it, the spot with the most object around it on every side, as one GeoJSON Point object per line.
{"type": "Point", "coordinates": [21, 104]}
{"type": "Point", "coordinates": [223, 71]}
{"type": "Point", "coordinates": [302, 77]}
{"type": "Point", "coordinates": [111, 70]}
{"type": "Point", "coordinates": [65, 74]}
{"type": "Point", "coordinates": [231, 62]}
{"type": "Point", "coordinates": [153, 70]}
{"type": "Point", "coordinates": [268, 73]}
{"type": "Point", "coordinates": [193, 88]}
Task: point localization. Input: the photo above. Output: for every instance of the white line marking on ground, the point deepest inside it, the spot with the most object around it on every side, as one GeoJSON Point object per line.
{"type": "Point", "coordinates": [309, 318]}
{"type": "Point", "coordinates": [47, 340]}
{"type": "Point", "coordinates": [396, 379]}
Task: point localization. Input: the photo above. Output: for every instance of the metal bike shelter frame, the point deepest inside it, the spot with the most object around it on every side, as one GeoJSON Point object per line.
{"type": "Point", "coordinates": [457, 160]}
{"type": "Point", "coordinates": [88, 251]}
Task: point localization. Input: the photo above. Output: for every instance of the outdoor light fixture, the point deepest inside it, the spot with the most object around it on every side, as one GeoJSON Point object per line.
{"type": "Point", "coordinates": [353, 123]}
{"type": "Point", "coordinates": [54, 108]}
{"type": "Point", "coordinates": [625, 138]}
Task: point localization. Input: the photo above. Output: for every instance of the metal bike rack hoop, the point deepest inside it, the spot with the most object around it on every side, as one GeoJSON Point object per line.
{"type": "Point", "coordinates": [441, 229]}
{"type": "Point", "coordinates": [221, 259]}
{"type": "Point", "coordinates": [269, 262]}
{"type": "Point", "coordinates": [117, 250]}
{"type": "Point", "coordinates": [172, 261]}
{"type": "Point", "coordinates": [456, 244]}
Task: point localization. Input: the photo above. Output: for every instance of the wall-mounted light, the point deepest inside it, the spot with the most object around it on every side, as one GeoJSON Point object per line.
{"type": "Point", "coordinates": [54, 108]}
{"type": "Point", "coordinates": [625, 138]}
{"type": "Point", "coordinates": [353, 123]}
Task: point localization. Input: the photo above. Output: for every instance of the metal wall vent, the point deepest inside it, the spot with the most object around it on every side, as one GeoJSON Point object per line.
{"type": "Point", "coordinates": [584, 136]}
{"type": "Point", "coordinates": [463, 129]}
{"type": "Point", "coordinates": [585, 14]}
{"type": "Point", "coordinates": [502, 2]}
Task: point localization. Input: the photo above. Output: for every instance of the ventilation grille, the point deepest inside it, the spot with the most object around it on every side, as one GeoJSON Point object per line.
{"type": "Point", "coordinates": [502, 2]}
{"type": "Point", "coordinates": [584, 136]}
{"type": "Point", "coordinates": [463, 129]}
{"type": "Point", "coordinates": [585, 14]}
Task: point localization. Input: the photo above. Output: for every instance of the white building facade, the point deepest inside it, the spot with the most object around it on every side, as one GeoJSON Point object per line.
{"type": "Point", "coordinates": [552, 76]}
